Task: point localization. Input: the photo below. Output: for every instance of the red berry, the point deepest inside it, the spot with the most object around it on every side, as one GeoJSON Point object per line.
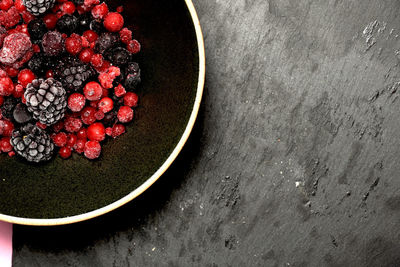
{"type": "Point", "coordinates": [93, 91]}
{"type": "Point", "coordinates": [133, 46]}
{"type": "Point", "coordinates": [99, 115]}
{"type": "Point", "coordinates": [109, 131]}
{"type": "Point", "coordinates": [73, 44]}
{"type": "Point", "coordinates": [79, 146]}
{"type": "Point", "coordinates": [5, 145]}
{"type": "Point", "coordinates": [131, 99]}
{"type": "Point", "coordinates": [18, 91]}
{"type": "Point", "coordinates": [51, 21]}
{"type": "Point", "coordinates": [85, 42]}
{"type": "Point", "coordinates": [11, 71]}
{"type": "Point", "coordinates": [86, 55]}
{"type": "Point", "coordinates": [25, 77]}
{"type": "Point", "coordinates": [125, 114]}
{"type": "Point", "coordinates": [1, 100]}
{"type": "Point", "coordinates": [114, 22]}
{"type": "Point", "coordinates": [97, 60]}
{"type": "Point", "coordinates": [71, 140]}
{"type": "Point", "coordinates": [60, 139]}
{"type": "Point", "coordinates": [72, 125]}
{"type": "Point", "coordinates": [92, 150]}
{"type": "Point", "coordinates": [76, 102]}
{"type": "Point", "coordinates": [119, 91]}
{"type": "Point", "coordinates": [120, 9]}
{"type": "Point", "coordinates": [100, 11]}
{"type": "Point", "coordinates": [68, 8]}
{"type": "Point", "coordinates": [6, 86]}
{"type": "Point", "coordinates": [6, 4]}
{"type": "Point", "coordinates": [106, 104]}
{"type": "Point", "coordinates": [96, 132]}
{"type": "Point", "coordinates": [11, 154]}
{"type": "Point", "coordinates": [7, 127]}
{"type": "Point", "coordinates": [91, 36]}
{"type": "Point", "coordinates": [126, 35]}
{"type": "Point", "coordinates": [87, 115]}
{"type": "Point", "coordinates": [58, 126]}
{"type": "Point", "coordinates": [41, 125]}
{"type": "Point", "coordinates": [65, 152]}
{"type": "Point", "coordinates": [81, 134]}
{"type": "Point", "coordinates": [27, 17]}
{"type": "Point", "coordinates": [117, 130]}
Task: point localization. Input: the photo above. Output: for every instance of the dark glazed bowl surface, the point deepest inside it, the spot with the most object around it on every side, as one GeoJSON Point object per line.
{"type": "Point", "coordinates": [170, 75]}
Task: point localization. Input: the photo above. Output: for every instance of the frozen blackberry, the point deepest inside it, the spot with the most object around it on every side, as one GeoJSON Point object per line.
{"type": "Point", "coordinates": [97, 26]}
{"type": "Point", "coordinates": [119, 56]}
{"type": "Point", "coordinates": [74, 74]}
{"type": "Point", "coordinates": [36, 64]}
{"type": "Point", "coordinates": [37, 28]}
{"type": "Point", "coordinates": [78, 2]}
{"type": "Point", "coordinates": [53, 43]}
{"type": "Point", "coordinates": [84, 22]}
{"type": "Point", "coordinates": [21, 114]}
{"type": "Point", "coordinates": [32, 143]}
{"type": "Point", "coordinates": [132, 78]}
{"type": "Point", "coordinates": [8, 107]}
{"type": "Point", "coordinates": [38, 7]}
{"type": "Point", "coordinates": [106, 41]}
{"type": "Point", "coordinates": [46, 100]}
{"type": "Point", "coordinates": [67, 24]}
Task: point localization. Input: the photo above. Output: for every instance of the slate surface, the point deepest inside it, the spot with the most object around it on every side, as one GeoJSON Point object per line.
{"type": "Point", "coordinates": [293, 160]}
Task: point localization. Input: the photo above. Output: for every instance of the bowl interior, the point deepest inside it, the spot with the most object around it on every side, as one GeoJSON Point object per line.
{"type": "Point", "coordinates": [169, 61]}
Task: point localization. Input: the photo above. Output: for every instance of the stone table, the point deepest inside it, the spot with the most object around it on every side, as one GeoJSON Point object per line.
{"type": "Point", "coordinates": [293, 160]}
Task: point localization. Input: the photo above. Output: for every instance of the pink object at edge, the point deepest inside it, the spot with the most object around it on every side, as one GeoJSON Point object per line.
{"type": "Point", "coordinates": [6, 244]}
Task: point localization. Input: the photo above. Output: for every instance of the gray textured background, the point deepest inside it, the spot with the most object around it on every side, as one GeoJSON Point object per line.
{"type": "Point", "coordinates": [293, 160]}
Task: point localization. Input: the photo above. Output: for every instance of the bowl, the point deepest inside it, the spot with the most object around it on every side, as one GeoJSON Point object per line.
{"type": "Point", "coordinates": [172, 61]}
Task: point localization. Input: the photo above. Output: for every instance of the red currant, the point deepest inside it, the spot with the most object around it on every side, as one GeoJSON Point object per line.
{"type": "Point", "coordinates": [114, 22]}
{"type": "Point", "coordinates": [81, 134]}
{"type": "Point", "coordinates": [100, 11]}
{"type": "Point", "coordinates": [6, 86]}
{"type": "Point", "coordinates": [73, 125]}
{"type": "Point", "coordinates": [96, 132]}
{"type": "Point", "coordinates": [51, 21]}
{"type": "Point", "coordinates": [25, 77]}
{"type": "Point", "coordinates": [65, 152]}
{"type": "Point", "coordinates": [131, 99]}
{"type": "Point", "coordinates": [71, 140]}
{"type": "Point", "coordinates": [106, 104]}
{"type": "Point", "coordinates": [86, 55]}
{"type": "Point", "coordinates": [79, 146]}
{"type": "Point", "coordinates": [87, 115]}
{"type": "Point", "coordinates": [92, 150]}
{"type": "Point", "coordinates": [125, 114]}
{"type": "Point", "coordinates": [117, 130]}
{"type": "Point", "coordinates": [5, 144]}
{"type": "Point", "coordinates": [60, 139]}
{"type": "Point", "coordinates": [76, 102]}
{"type": "Point", "coordinates": [133, 46]}
{"type": "Point", "coordinates": [99, 115]}
{"type": "Point", "coordinates": [68, 8]}
{"type": "Point", "coordinates": [93, 91]}
{"type": "Point", "coordinates": [91, 36]}
{"type": "Point", "coordinates": [73, 44]}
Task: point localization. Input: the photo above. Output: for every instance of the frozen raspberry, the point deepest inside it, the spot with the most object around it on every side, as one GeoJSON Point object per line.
{"type": "Point", "coordinates": [100, 11]}
{"type": "Point", "coordinates": [5, 145]}
{"type": "Point", "coordinates": [65, 152]}
{"type": "Point", "coordinates": [72, 125]}
{"type": "Point", "coordinates": [131, 99]}
{"type": "Point", "coordinates": [73, 44]}
{"type": "Point", "coordinates": [87, 115]}
{"type": "Point", "coordinates": [119, 91]}
{"type": "Point", "coordinates": [126, 35]}
{"type": "Point", "coordinates": [133, 46]}
{"type": "Point", "coordinates": [6, 128]}
{"type": "Point", "coordinates": [27, 17]}
{"type": "Point", "coordinates": [107, 78]}
{"type": "Point", "coordinates": [76, 102]}
{"type": "Point", "coordinates": [92, 149]}
{"type": "Point", "coordinates": [114, 22]}
{"type": "Point", "coordinates": [6, 4]}
{"type": "Point", "coordinates": [79, 146]}
{"type": "Point", "coordinates": [60, 139]}
{"type": "Point", "coordinates": [125, 114]}
{"type": "Point", "coordinates": [6, 86]}
{"type": "Point", "coordinates": [93, 91]}
{"type": "Point", "coordinates": [15, 47]}
{"type": "Point", "coordinates": [97, 60]}
{"type": "Point", "coordinates": [117, 130]}
{"type": "Point", "coordinates": [89, 3]}
{"type": "Point", "coordinates": [10, 18]}
{"type": "Point", "coordinates": [53, 43]}
{"type": "Point", "coordinates": [19, 5]}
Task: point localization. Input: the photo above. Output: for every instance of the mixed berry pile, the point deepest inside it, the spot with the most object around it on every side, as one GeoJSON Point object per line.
{"type": "Point", "coordinates": [67, 77]}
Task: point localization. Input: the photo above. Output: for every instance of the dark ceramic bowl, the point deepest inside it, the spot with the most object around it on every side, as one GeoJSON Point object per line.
{"type": "Point", "coordinates": [173, 66]}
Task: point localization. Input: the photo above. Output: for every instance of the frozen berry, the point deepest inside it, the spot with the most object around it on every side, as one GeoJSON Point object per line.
{"type": "Point", "coordinates": [71, 140]}
{"type": "Point", "coordinates": [37, 28]}
{"type": "Point", "coordinates": [119, 56]}
{"type": "Point", "coordinates": [6, 86]}
{"type": "Point", "coordinates": [5, 145]}
{"type": "Point", "coordinates": [65, 152]}
{"type": "Point", "coordinates": [117, 130]}
{"type": "Point", "coordinates": [25, 77]}
{"type": "Point", "coordinates": [125, 114]}
{"type": "Point", "coordinates": [87, 115]}
{"type": "Point", "coordinates": [97, 60]}
{"type": "Point", "coordinates": [73, 44]}
{"type": "Point", "coordinates": [60, 139]}
{"type": "Point", "coordinates": [15, 47]}
{"type": "Point", "coordinates": [96, 132]}
{"type": "Point", "coordinates": [6, 4]}
{"type": "Point", "coordinates": [106, 41]}
{"type": "Point", "coordinates": [6, 128]}
{"type": "Point", "coordinates": [76, 102]}
{"type": "Point", "coordinates": [51, 21]}
{"type": "Point", "coordinates": [67, 24]}
{"type": "Point", "coordinates": [133, 46]}
{"type": "Point", "coordinates": [93, 91]}
{"type": "Point", "coordinates": [106, 104]}
{"type": "Point", "coordinates": [68, 8]}
{"type": "Point", "coordinates": [79, 146]}
{"type": "Point", "coordinates": [92, 150]}
{"type": "Point", "coordinates": [19, 5]}
{"type": "Point", "coordinates": [21, 114]}
{"type": "Point", "coordinates": [100, 11]}
{"type": "Point", "coordinates": [99, 115]}
{"type": "Point", "coordinates": [91, 36]}
{"type": "Point", "coordinates": [119, 91]}
{"type": "Point", "coordinates": [131, 99]}
{"type": "Point", "coordinates": [53, 43]}
{"type": "Point", "coordinates": [81, 134]}
{"type": "Point", "coordinates": [86, 55]}
{"type": "Point", "coordinates": [114, 22]}
{"type": "Point", "coordinates": [125, 35]}
{"type": "Point", "coordinates": [72, 125]}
